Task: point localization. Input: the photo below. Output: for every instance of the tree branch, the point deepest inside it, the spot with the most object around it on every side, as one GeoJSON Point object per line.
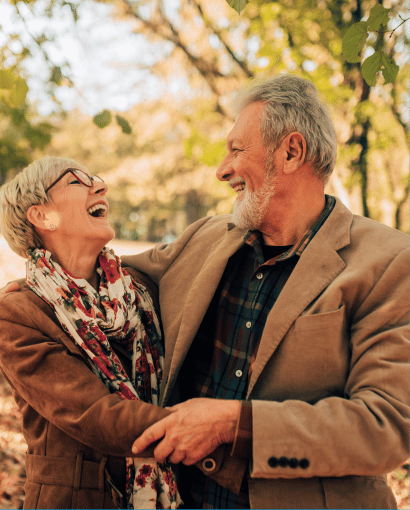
{"type": "Point", "coordinates": [241, 63]}
{"type": "Point", "coordinates": [208, 71]}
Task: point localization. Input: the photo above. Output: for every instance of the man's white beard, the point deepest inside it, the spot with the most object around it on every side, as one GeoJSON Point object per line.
{"type": "Point", "coordinates": [250, 211]}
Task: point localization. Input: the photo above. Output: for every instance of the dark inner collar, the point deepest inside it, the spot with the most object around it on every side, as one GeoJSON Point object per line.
{"type": "Point", "coordinates": [273, 251]}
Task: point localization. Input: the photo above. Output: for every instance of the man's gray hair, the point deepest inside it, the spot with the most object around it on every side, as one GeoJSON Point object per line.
{"type": "Point", "coordinates": [292, 104]}
{"type": "Point", "coordinates": [27, 189]}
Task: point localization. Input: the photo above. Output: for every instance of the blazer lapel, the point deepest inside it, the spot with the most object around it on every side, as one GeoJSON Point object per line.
{"type": "Point", "coordinates": [200, 295]}
{"type": "Point", "coordinates": [318, 266]}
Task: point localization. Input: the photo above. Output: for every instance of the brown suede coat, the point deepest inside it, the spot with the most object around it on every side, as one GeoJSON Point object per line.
{"type": "Point", "coordinates": [77, 433]}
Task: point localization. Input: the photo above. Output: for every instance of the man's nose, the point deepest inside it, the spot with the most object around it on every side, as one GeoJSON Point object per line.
{"type": "Point", "coordinates": [225, 170]}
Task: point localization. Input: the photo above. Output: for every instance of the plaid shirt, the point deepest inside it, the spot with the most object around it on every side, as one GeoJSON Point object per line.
{"type": "Point", "coordinates": [221, 360]}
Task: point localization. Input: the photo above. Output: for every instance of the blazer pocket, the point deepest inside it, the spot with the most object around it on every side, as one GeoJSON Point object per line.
{"type": "Point", "coordinates": [320, 320]}
{"type": "Point", "coordinates": [324, 350]}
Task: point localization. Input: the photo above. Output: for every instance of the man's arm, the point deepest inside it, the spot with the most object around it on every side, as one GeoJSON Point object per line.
{"type": "Point", "coordinates": [12, 286]}
{"type": "Point", "coordinates": [156, 261]}
{"type": "Point", "coordinates": [365, 430]}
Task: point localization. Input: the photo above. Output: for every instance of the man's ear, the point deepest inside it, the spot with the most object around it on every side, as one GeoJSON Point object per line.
{"type": "Point", "coordinates": [295, 152]}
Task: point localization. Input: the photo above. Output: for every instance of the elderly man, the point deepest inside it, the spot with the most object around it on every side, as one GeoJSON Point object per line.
{"type": "Point", "coordinates": [285, 327]}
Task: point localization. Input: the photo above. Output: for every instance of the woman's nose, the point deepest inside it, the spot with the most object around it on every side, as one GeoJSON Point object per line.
{"type": "Point", "coordinates": [99, 187]}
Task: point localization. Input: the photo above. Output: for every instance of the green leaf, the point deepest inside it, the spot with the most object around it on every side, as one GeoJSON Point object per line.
{"type": "Point", "coordinates": [390, 68]}
{"type": "Point", "coordinates": [18, 117]}
{"type": "Point", "coordinates": [238, 5]}
{"type": "Point", "coordinates": [126, 128]}
{"type": "Point", "coordinates": [102, 119]}
{"type": "Point", "coordinates": [18, 93]}
{"type": "Point", "coordinates": [370, 67]}
{"type": "Point", "coordinates": [7, 79]}
{"type": "Point", "coordinates": [378, 16]}
{"type": "Point", "coordinates": [353, 41]}
{"type": "Point", "coordinates": [38, 137]}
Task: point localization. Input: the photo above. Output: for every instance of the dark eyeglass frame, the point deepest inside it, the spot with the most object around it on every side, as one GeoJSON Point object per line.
{"type": "Point", "coordinates": [85, 179]}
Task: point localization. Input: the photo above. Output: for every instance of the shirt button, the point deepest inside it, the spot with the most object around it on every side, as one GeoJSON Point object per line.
{"type": "Point", "coordinates": [248, 324]}
{"type": "Point", "coordinates": [238, 373]}
{"type": "Point", "coordinates": [259, 276]}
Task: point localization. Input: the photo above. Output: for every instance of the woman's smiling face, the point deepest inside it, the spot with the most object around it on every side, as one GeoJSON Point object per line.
{"type": "Point", "coordinates": [80, 211]}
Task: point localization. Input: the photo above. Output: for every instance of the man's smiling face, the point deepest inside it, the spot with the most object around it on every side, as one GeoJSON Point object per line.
{"type": "Point", "coordinates": [245, 168]}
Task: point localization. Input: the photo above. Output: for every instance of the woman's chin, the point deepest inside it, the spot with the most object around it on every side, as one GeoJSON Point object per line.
{"type": "Point", "coordinates": [109, 237]}
{"type": "Point", "coordinates": [97, 240]}
{"type": "Point", "coordinates": [105, 232]}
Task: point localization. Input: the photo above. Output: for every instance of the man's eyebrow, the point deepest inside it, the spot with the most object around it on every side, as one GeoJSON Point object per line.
{"type": "Point", "coordinates": [230, 141]}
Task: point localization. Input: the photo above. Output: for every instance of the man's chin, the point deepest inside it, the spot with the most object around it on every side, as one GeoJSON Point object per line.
{"type": "Point", "coordinates": [243, 220]}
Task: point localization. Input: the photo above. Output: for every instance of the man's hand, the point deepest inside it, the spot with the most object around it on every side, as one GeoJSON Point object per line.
{"type": "Point", "coordinates": [10, 287]}
{"type": "Point", "coordinates": [193, 431]}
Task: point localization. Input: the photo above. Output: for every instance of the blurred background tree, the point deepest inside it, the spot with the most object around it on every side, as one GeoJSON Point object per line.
{"type": "Point", "coordinates": [194, 56]}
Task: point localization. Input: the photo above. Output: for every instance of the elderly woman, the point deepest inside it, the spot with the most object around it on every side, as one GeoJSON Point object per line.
{"type": "Point", "coordinates": [80, 346]}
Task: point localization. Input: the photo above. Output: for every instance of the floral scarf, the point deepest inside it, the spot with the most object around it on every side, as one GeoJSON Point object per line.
{"type": "Point", "coordinates": [121, 311]}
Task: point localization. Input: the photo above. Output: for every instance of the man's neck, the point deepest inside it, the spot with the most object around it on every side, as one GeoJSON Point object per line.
{"type": "Point", "coordinates": [286, 225]}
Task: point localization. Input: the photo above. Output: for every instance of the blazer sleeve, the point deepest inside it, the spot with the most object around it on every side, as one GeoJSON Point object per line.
{"type": "Point", "coordinates": [146, 281]}
{"type": "Point", "coordinates": [364, 432]}
{"type": "Point", "coordinates": [156, 261]}
{"type": "Point", "coordinates": [59, 386]}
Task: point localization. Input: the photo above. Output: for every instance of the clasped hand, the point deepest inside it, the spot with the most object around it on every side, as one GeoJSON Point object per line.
{"type": "Point", "coordinates": [193, 430]}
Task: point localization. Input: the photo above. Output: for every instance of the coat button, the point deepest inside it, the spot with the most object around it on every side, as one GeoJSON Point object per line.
{"type": "Point", "coordinates": [283, 462]}
{"type": "Point", "coordinates": [273, 462]}
{"type": "Point", "coordinates": [304, 463]}
{"type": "Point", "coordinates": [293, 463]}
{"type": "Point", "coordinates": [208, 465]}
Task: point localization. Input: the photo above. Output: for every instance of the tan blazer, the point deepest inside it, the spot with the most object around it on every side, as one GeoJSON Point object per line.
{"type": "Point", "coordinates": [76, 431]}
{"type": "Point", "coordinates": [330, 381]}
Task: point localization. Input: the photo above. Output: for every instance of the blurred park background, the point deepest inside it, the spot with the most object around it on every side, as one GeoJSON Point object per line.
{"type": "Point", "coordinates": [140, 92]}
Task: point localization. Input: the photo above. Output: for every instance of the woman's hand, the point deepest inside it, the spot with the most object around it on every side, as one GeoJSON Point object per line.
{"type": "Point", "coordinates": [193, 430]}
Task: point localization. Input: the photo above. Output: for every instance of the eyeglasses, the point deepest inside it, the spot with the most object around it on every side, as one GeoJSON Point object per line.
{"type": "Point", "coordinates": [84, 178]}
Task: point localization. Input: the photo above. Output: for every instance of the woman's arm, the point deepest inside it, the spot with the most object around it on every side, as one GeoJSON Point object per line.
{"type": "Point", "coordinates": [57, 383]}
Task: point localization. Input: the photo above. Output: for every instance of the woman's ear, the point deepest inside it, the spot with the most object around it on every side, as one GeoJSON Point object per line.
{"type": "Point", "coordinates": [36, 215]}
{"type": "Point", "coordinates": [295, 150]}
{"type": "Point", "coordinates": [42, 219]}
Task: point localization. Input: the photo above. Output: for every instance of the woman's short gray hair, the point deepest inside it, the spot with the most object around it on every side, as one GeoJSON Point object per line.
{"type": "Point", "coordinates": [27, 189]}
{"type": "Point", "coordinates": [292, 104]}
